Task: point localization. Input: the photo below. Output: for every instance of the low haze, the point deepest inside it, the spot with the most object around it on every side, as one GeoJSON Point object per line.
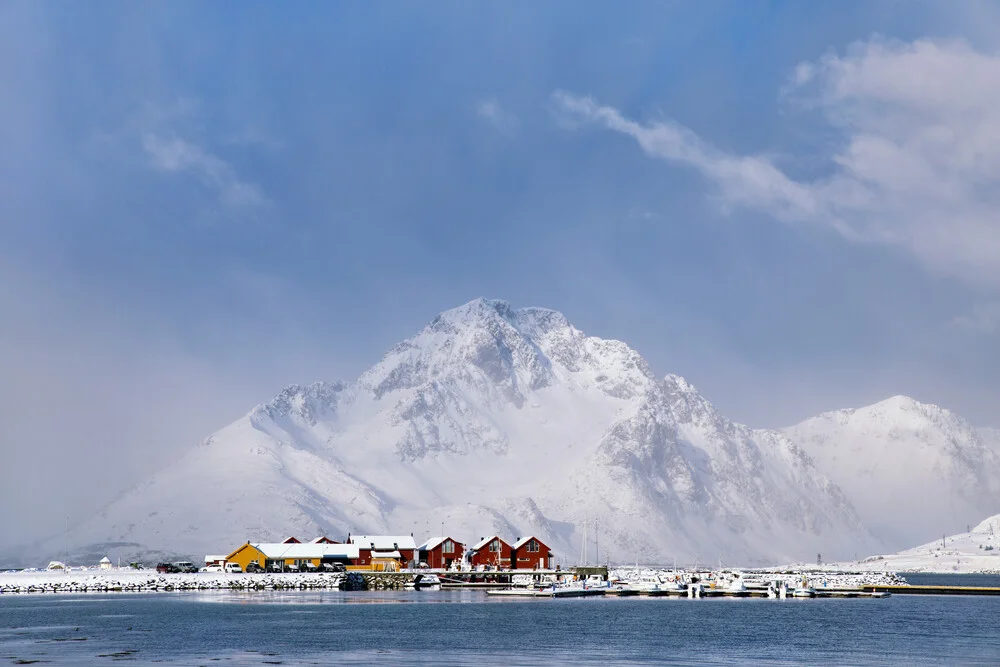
{"type": "Point", "coordinates": [791, 204]}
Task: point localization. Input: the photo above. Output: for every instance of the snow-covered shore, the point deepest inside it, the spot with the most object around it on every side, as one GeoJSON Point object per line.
{"type": "Point", "coordinates": [792, 576]}
{"type": "Point", "coordinates": [974, 552]}
{"type": "Point", "coordinates": [130, 580]}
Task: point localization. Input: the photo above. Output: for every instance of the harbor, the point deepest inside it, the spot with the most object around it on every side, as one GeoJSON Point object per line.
{"type": "Point", "coordinates": [498, 584]}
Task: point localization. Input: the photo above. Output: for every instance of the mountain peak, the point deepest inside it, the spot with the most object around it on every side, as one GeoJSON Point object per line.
{"type": "Point", "coordinates": [480, 343]}
{"type": "Point", "coordinates": [475, 310]}
{"type": "Point", "coordinates": [305, 402]}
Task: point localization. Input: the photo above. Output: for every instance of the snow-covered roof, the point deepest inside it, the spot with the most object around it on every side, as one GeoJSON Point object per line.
{"type": "Point", "coordinates": [432, 543]}
{"type": "Point", "coordinates": [211, 558]}
{"type": "Point", "coordinates": [386, 554]}
{"type": "Point", "coordinates": [298, 550]}
{"type": "Point", "coordinates": [384, 542]}
{"type": "Point", "coordinates": [105, 560]}
{"type": "Point", "coordinates": [322, 539]}
{"type": "Point", "coordinates": [290, 540]}
{"type": "Point", "coordinates": [524, 540]}
{"type": "Point", "coordinates": [486, 540]}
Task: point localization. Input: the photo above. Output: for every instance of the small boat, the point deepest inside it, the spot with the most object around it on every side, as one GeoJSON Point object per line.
{"type": "Point", "coordinates": [737, 588]}
{"type": "Point", "coordinates": [804, 589]}
{"type": "Point", "coordinates": [648, 584]}
{"type": "Point", "coordinates": [426, 582]}
{"type": "Point", "coordinates": [520, 592]}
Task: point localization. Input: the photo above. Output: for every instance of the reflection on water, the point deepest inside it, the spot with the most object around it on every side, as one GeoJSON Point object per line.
{"type": "Point", "coordinates": [326, 597]}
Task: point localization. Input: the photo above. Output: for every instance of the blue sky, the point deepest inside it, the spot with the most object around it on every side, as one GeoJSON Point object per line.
{"type": "Point", "coordinates": [202, 203]}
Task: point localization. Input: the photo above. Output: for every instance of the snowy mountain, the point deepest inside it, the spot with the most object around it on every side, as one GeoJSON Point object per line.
{"type": "Point", "coordinates": [913, 471]}
{"type": "Point", "coordinates": [495, 420]}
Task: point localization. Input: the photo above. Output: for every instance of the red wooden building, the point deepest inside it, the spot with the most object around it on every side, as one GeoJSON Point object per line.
{"type": "Point", "coordinates": [440, 552]}
{"type": "Point", "coordinates": [530, 553]}
{"type": "Point", "coordinates": [491, 551]}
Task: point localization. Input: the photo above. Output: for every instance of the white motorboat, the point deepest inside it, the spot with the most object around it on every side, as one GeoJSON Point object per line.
{"type": "Point", "coordinates": [737, 588]}
{"type": "Point", "coordinates": [574, 589]}
{"type": "Point", "coordinates": [804, 590]}
{"type": "Point", "coordinates": [647, 583]}
{"type": "Point", "coordinates": [427, 582]}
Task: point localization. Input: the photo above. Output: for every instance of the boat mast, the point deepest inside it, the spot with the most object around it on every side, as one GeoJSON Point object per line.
{"type": "Point", "coordinates": [597, 544]}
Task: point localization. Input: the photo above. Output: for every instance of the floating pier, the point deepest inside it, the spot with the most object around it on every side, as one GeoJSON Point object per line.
{"type": "Point", "coordinates": [935, 590]}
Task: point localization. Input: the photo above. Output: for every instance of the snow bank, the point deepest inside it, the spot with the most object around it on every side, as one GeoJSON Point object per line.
{"type": "Point", "coordinates": [129, 580]}
{"type": "Point", "coordinates": [818, 578]}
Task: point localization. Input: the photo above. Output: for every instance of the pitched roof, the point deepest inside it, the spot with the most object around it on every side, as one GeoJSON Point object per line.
{"type": "Point", "coordinates": [323, 539]}
{"type": "Point", "coordinates": [384, 542]}
{"type": "Point", "coordinates": [433, 542]}
{"type": "Point", "coordinates": [524, 540]}
{"type": "Point", "coordinates": [486, 540]}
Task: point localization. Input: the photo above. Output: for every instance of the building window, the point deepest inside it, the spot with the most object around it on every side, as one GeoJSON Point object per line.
{"type": "Point", "coordinates": [449, 547]}
{"type": "Point", "coordinates": [495, 546]}
{"type": "Point", "coordinates": [533, 546]}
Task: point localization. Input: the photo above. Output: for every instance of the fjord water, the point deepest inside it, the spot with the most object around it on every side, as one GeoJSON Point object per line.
{"type": "Point", "coordinates": [465, 627]}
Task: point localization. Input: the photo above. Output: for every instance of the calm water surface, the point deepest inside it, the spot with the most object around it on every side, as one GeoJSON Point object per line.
{"type": "Point", "coordinates": [466, 627]}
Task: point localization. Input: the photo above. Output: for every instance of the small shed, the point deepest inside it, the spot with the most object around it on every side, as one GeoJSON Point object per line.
{"type": "Point", "coordinates": [374, 544]}
{"type": "Point", "coordinates": [105, 563]}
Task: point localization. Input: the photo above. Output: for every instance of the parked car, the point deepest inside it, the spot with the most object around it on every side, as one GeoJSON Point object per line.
{"type": "Point", "coordinates": [254, 567]}
{"type": "Point", "coordinates": [212, 568]}
{"type": "Point", "coordinates": [184, 566]}
{"type": "Point", "coordinates": [233, 568]}
{"type": "Point", "coordinates": [333, 567]}
{"type": "Point", "coordinates": [167, 568]}
{"type": "Point", "coordinates": [275, 566]}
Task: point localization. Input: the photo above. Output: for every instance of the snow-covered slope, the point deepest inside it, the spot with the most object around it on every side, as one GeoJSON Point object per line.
{"type": "Point", "coordinates": [991, 438]}
{"type": "Point", "coordinates": [495, 420]}
{"type": "Point", "coordinates": [977, 550]}
{"type": "Point", "coordinates": [913, 471]}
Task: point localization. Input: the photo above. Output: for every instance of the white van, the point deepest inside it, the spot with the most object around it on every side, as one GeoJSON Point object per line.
{"type": "Point", "coordinates": [233, 568]}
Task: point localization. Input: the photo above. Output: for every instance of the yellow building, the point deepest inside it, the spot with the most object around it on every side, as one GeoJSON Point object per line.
{"type": "Point", "coordinates": [281, 555]}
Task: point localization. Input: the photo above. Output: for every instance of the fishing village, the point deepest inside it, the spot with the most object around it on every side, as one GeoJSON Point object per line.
{"type": "Point", "coordinates": [521, 568]}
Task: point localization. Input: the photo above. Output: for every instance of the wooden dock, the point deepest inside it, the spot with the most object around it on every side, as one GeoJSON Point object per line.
{"type": "Point", "coordinates": [934, 590]}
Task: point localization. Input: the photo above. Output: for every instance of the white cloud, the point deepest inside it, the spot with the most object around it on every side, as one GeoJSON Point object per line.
{"type": "Point", "coordinates": [501, 119]}
{"type": "Point", "coordinates": [917, 167]}
{"type": "Point", "coordinates": [173, 154]}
